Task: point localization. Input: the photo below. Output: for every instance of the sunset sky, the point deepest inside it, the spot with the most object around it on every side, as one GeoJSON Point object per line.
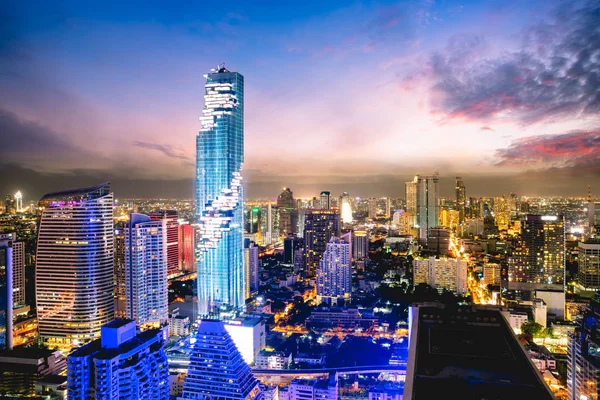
{"type": "Point", "coordinates": [340, 96]}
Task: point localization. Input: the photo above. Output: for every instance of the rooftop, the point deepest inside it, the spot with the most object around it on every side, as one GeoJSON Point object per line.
{"type": "Point", "coordinates": [85, 193]}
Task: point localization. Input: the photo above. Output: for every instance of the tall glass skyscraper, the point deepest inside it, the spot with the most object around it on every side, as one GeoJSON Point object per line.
{"type": "Point", "coordinates": [74, 265]}
{"type": "Point", "coordinates": [219, 196]}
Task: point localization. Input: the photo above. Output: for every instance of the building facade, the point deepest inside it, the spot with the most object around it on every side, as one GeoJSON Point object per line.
{"type": "Point", "coordinates": [422, 200]}
{"type": "Point", "coordinates": [172, 234]}
{"type": "Point", "coordinates": [120, 365]}
{"type": "Point", "coordinates": [588, 273]}
{"type": "Point", "coordinates": [187, 245]}
{"type": "Point", "coordinates": [74, 265]}
{"type": "Point", "coordinates": [251, 268]}
{"type": "Point", "coordinates": [219, 194]}
{"type": "Point", "coordinates": [441, 273]}
{"type": "Point", "coordinates": [146, 266]}
{"type": "Point", "coordinates": [334, 274]}
{"type": "Point", "coordinates": [319, 227]}
{"type": "Point", "coordinates": [6, 291]}
{"type": "Point", "coordinates": [217, 369]}
{"type": "Point", "coordinates": [360, 245]}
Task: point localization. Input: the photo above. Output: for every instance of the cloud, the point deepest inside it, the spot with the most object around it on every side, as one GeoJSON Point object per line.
{"type": "Point", "coordinates": [488, 128]}
{"type": "Point", "coordinates": [553, 76]}
{"type": "Point", "coordinates": [168, 150]}
{"type": "Point", "coordinates": [579, 149]}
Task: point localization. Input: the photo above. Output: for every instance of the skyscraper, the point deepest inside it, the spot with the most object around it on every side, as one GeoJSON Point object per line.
{"type": "Point", "coordinates": [288, 215]}
{"type": "Point", "coordinates": [540, 255]}
{"type": "Point", "coordinates": [187, 241]}
{"type": "Point", "coordinates": [119, 274]}
{"type": "Point", "coordinates": [422, 201]}
{"type": "Point", "coordinates": [319, 227]}
{"type": "Point", "coordinates": [372, 208]}
{"type": "Point", "coordinates": [217, 369]}
{"type": "Point", "coordinates": [18, 271]}
{"type": "Point", "coordinates": [74, 265]}
{"type": "Point", "coordinates": [325, 200]}
{"type": "Point", "coordinates": [219, 194]}
{"type": "Point", "coordinates": [6, 291]}
{"type": "Point", "coordinates": [346, 208]}
{"type": "Point", "coordinates": [251, 267]}
{"type": "Point", "coordinates": [334, 274]}
{"type": "Point", "coordinates": [360, 245]}
{"type": "Point", "coordinates": [146, 280]}
{"type": "Point", "coordinates": [120, 365]}
{"type": "Point", "coordinates": [588, 272]}
{"type": "Point", "coordinates": [170, 217]}
{"type": "Point", "coordinates": [461, 198]}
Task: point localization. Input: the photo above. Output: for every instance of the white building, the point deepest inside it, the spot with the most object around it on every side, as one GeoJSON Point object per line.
{"type": "Point", "coordinates": [334, 274]}
{"type": "Point", "coordinates": [314, 389]}
{"type": "Point", "coordinates": [249, 335]}
{"type": "Point", "coordinates": [540, 312]}
{"type": "Point", "coordinates": [441, 273]}
{"type": "Point", "coordinates": [179, 325]}
{"type": "Point", "coordinates": [146, 275]}
{"type": "Point", "coordinates": [516, 319]}
{"type": "Point", "coordinates": [273, 360]}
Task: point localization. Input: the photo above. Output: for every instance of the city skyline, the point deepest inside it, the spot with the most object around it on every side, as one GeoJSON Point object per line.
{"type": "Point", "coordinates": [505, 101]}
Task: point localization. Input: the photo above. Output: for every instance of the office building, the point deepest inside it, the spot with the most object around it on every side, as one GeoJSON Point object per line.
{"type": "Point", "coordinates": [360, 245]}
{"type": "Point", "coordinates": [314, 389]}
{"type": "Point", "coordinates": [6, 291]}
{"type": "Point", "coordinates": [501, 212]}
{"type": "Point", "coordinates": [422, 200]}
{"type": "Point", "coordinates": [290, 245]}
{"type": "Point", "coordinates": [588, 272]}
{"type": "Point", "coordinates": [170, 218]}
{"type": "Point", "coordinates": [334, 274]}
{"type": "Point", "coordinates": [591, 211]}
{"type": "Point", "coordinates": [219, 197]}
{"type": "Point", "coordinates": [491, 273]}
{"type": "Point", "coordinates": [387, 207]}
{"type": "Point", "coordinates": [120, 365]}
{"type": "Point", "coordinates": [467, 353]}
{"type": "Point", "coordinates": [441, 273]}
{"type": "Point", "coordinates": [461, 199]}
{"type": "Point", "coordinates": [346, 208]}
{"type": "Point", "coordinates": [187, 245]}
{"type": "Point", "coordinates": [319, 227]}
{"type": "Point", "coordinates": [217, 369]}
{"type": "Point", "coordinates": [583, 367]}
{"type": "Point", "coordinates": [439, 240]}
{"type": "Point", "coordinates": [146, 266]}
{"type": "Point", "coordinates": [325, 200]}
{"type": "Point", "coordinates": [250, 267]}
{"type": "Point", "coordinates": [74, 265]}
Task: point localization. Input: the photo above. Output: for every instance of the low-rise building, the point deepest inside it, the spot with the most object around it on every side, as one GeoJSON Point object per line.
{"type": "Point", "coordinates": [273, 360]}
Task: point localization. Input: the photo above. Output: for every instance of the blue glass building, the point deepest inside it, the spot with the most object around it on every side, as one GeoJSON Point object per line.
{"type": "Point", "coordinates": [219, 195]}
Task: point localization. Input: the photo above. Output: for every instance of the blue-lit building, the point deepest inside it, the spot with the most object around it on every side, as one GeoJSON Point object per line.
{"type": "Point", "coordinates": [120, 365]}
{"type": "Point", "coordinates": [219, 196]}
{"type": "Point", "coordinates": [6, 291]}
{"type": "Point", "coordinates": [74, 275]}
{"type": "Point", "coordinates": [217, 369]}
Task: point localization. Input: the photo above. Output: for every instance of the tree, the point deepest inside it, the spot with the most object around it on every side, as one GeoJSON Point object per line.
{"type": "Point", "coordinates": [532, 329]}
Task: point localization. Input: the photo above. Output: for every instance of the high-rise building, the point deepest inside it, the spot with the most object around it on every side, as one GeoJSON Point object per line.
{"type": "Point", "coordinates": [251, 267]}
{"type": "Point", "coordinates": [540, 255]}
{"type": "Point", "coordinates": [325, 200]}
{"type": "Point", "coordinates": [170, 217]}
{"type": "Point", "coordinates": [120, 365]}
{"type": "Point", "coordinates": [491, 273]}
{"type": "Point", "coordinates": [388, 207]}
{"type": "Point", "coordinates": [583, 368]}
{"type": "Point", "coordinates": [74, 265]}
{"type": "Point", "coordinates": [146, 280]}
{"type": "Point", "coordinates": [187, 243]}
{"type": "Point", "coordinates": [252, 220]}
{"type": "Point", "coordinates": [461, 199]}
{"type": "Point", "coordinates": [471, 345]}
{"type": "Point", "coordinates": [334, 274]}
{"type": "Point", "coordinates": [372, 208]}
{"type": "Point", "coordinates": [422, 201]}
{"type": "Point", "coordinates": [360, 245]}
{"type": "Point", "coordinates": [219, 192]}
{"type": "Point", "coordinates": [18, 271]}
{"type": "Point", "coordinates": [439, 240]}
{"type": "Point", "coordinates": [319, 227]}
{"type": "Point", "coordinates": [591, 212]}
{"type": "Point", "coordinates": [6, 291]}
{"type": "Point", "coordinates": [290, 245]}
{"type": "Point", "coordinates": [288, 214]}
{"type": "Point", "coordinates": [119, 274]}
{"type": "Point", "coordinates": [441, 273]}
{"type": "Point", "coordinates": [588, 272]}
{"type": "Point", "coordinates": [217, 369]}
{"type": "Point", "coordinates": [501, 212]}
{"type": "Point", "coordinates": [346, 208]}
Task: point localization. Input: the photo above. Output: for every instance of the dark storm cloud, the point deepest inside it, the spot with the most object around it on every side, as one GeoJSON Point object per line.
{"type": "Point", "coordinates": [168, 150]}
{"type": "Point", "coordinates": [555, 75]}
{"type": "Point", "coordinates": [580, 149]}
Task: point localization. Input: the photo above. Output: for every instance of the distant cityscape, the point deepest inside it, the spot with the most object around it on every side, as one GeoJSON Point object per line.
{"type": "Point", "coordinates": [322, 298]}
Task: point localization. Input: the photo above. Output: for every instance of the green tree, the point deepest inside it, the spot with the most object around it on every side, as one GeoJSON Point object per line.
{"type": "Point", "coordinates": [532, 328]}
